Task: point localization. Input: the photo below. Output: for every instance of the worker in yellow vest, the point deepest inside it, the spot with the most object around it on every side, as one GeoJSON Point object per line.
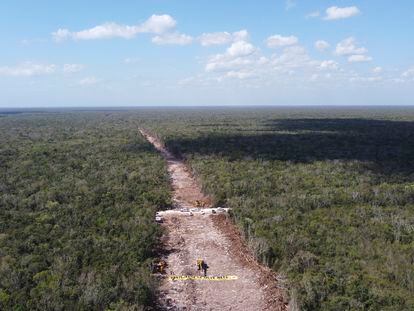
{"type": "Point", "coordinates": [162, 265]}
{"type": "Point", "coordinates": [200, 264]}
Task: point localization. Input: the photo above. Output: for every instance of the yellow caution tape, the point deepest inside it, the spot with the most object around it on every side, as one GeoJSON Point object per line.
{"type": "Point", "coordinates": [202, 278]}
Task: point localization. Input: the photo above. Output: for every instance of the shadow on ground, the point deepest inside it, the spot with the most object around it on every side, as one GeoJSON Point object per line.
{"type": "Point", "coordinates": [386, 146]}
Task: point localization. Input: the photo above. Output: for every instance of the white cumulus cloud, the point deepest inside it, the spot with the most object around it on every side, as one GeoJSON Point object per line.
{"type": "Point", "coordinates": [224, 62]}
{"type": "Point", "coordinates": [293, 57]}
{"type": "Point", "coordinates": [377, 69]}
{"type": "Point", "coordinates": [329, 65]}
{"type": "Point", "coordinates": [61, 35]}
{"type": "Point", "coordinates": [335, 13]}
{"type": "Point", "coordinates": [106, 31]}
{"type": "Point", "coordinates": [408, 73]}
{"type": "Point", "coordinates": [240, 48]}
{"type": "Point", "coordinates": [280, 41]}
{"type": "Point", "coordinates": [215, 38]}
{"type": "Point", "coordinates": [349, 47]}
{"type": "Point", "coordinates": [239, 55]}
{"type": "Point", "coordinates": [239, 74]}
{"type": "Point", "coordinates": [28, 69]}
{"type": "Point", "coordinates": [72, 68]}
{"type": "Point", "coordinates": [321, 45]}
{"type": "Point", "coordinates": [174, 38]}
{"type": "Point", "coordinates": [220, 38]}
{"type": "Point", "coordinates": [359, 58]}
{"type": "Point", "coordinates": [241, 35]}
{"type": "Point", "coordinates": [156, 24]}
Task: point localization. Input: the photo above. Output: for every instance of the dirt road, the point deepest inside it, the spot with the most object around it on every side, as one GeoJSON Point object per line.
{"type": "Point", "coordinates": [214, 239]}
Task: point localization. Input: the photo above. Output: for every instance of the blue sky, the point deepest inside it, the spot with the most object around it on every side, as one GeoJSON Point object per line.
{"type": "Point", "coordinates": [186, 52]}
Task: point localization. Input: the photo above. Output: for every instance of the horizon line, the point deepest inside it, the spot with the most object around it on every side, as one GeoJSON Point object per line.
{"type": "Point", "coordinates": [207, 106]}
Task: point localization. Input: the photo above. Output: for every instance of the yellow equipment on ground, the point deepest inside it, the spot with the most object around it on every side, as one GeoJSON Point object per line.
{"type": "Point", "coordinates": [158, 266]}
{"type": "Point", "coordinates": [201, 203]}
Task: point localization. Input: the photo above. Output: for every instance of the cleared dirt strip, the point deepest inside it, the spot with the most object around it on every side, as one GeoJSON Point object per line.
{"type": "Point", "coordinates": [211, 237]}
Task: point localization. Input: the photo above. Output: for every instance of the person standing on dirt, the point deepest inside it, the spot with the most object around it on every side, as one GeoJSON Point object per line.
{"type": "Point", "coordinates": [199, 264]}
{"type": "Point", "coordinates": [204, 266]}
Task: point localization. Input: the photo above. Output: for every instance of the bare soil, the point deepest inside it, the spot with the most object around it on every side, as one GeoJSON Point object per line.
{"type": "Point", "coordinates": [214, 239]}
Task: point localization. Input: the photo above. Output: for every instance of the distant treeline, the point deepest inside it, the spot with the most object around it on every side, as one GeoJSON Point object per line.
{"type": "Point", "coordinates": [78, 195]}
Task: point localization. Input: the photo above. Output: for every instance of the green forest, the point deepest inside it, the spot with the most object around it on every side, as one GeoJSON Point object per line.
{"type": "Point", "coordinates": [79, 191]}
{"type": "Point", "coordinates": [325, 197]}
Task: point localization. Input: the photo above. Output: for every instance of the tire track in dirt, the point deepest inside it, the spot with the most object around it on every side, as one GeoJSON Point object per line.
{"type": "Point", "coordinates": [214, 239]}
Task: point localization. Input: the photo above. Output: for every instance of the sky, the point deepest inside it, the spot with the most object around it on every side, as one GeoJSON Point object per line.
{"type": "Point", "coordinates": [215, 52]}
